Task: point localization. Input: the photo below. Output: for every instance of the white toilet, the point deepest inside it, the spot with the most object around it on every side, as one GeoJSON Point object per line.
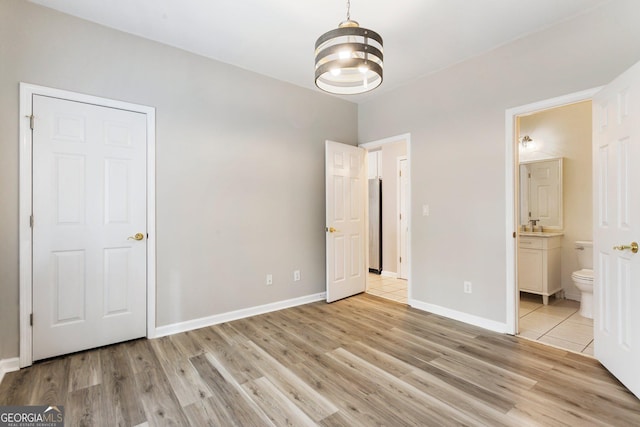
{"type": "Point", "coordinates": [583, 278]}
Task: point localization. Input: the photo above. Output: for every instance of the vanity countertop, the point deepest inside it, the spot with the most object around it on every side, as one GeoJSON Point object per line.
{"type": "Point", "coordinates": [540, 233]}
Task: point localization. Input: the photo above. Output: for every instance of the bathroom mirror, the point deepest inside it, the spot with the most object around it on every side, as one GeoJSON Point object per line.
{"type": "Point", "coordinates": [541, 193]}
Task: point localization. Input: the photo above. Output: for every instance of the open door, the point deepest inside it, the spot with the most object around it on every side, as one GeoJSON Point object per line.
{"type": "Point", "coordinates": [616, 156]}
{"type": "Point", "coordinates": [346, 180]}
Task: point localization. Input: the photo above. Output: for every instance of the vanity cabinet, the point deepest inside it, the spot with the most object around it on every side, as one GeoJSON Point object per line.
{"type": "Point", "coordinates": [539, 264]}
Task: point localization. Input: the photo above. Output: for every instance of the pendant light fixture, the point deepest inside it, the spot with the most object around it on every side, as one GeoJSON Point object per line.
{"type": "Point", "coordinates": [349, 59]}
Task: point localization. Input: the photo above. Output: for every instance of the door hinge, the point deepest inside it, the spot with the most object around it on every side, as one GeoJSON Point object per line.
{"type": "Point", "coordinates": [514, 234]}
{"type": "Point", "coordinates": [31, 121]}
{"type": "Point", "coordinates": [400, 259]}
{"type": "Point", "coordinates": [31, 221]}
{"type": "Point", "coordinates": [400, 173]}
{"type": "Point", "coordinates": [400, 216]}
{"type": "Point", "coordinates": [31, 319]}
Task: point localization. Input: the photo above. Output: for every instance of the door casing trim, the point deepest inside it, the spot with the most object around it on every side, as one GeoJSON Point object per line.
{"type": "Point", "coordinates": [27, 91]}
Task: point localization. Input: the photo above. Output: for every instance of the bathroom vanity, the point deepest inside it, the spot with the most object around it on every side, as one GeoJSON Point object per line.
{"type": "Point", "coordinates": [539, 263]}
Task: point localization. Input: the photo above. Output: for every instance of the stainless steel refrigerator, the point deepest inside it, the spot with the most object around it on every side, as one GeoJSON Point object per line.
{"type": "Point", "coordinates": [375, 225]}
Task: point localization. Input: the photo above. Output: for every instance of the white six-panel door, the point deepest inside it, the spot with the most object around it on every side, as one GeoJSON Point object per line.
{"type": "Point", "coordinates": [616, 156]}
{"type": "Point", "coordinates": [403, 241]}
{"type": "Point", "coordinates": [345, 218]}
{"type": "Point", "coordinates": [89, 197]}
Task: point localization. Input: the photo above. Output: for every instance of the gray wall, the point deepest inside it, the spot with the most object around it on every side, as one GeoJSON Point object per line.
{"type": "Point", "coordinates": [456, 118]}
{"type": "Point", "coordinates": [240, 162]}
{"type": "Point", "coordinates": [240, 156]}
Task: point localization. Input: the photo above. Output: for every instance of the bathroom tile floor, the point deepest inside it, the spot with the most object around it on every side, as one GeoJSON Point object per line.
{"type": "Point", "coordinates": [387, 287]}
{"type": "Point", "coordinates": [558, 324]}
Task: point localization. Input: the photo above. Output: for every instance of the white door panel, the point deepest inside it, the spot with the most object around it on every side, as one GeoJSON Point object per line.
{"type": "Point", "coordinates": [544, 192]}
{"type": "Point", "coordinates": [403, 265]}
{"type": "Point", "coordinates": [616, 156]}
{"type": "Point", "coordinates": [345, 219]}
{"type": "Point", "coordinates": [89, 196]}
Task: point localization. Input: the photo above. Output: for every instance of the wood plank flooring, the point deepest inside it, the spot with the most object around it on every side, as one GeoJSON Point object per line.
{"type": "Point", "coordinates": [362, 361]}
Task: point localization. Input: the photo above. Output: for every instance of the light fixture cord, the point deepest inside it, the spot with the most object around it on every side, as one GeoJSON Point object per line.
{"type": "Point", "coordinates": [348, 10]}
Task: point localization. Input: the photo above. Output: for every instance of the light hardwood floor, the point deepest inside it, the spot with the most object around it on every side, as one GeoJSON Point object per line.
{"type": "Point", "coordinates": [362, 361]}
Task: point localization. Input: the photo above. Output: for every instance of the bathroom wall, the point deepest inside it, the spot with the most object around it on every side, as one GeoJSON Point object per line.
{"type": "Point", "coordinates": [566, 132]}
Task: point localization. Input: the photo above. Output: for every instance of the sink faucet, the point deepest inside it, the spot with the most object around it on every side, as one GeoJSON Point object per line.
{"type": "Point", "coordinates": [533, 222]}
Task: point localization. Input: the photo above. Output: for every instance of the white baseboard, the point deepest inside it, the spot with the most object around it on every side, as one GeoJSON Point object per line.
{"type": "Point", "coordinates": [389, 274]}
{"type": "Point", "coordinates": [481, 322]}
{"type": "Point", "coordinates": [203, 322]}
{"type": "Point", "coordinates": [8, 365]}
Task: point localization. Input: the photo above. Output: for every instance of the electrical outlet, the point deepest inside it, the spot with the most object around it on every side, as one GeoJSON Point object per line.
{"type": "Point", "coordinates": [269, 279]}
{"type": "Point", "coordinates": [467, 287]}
{"type": "Point", "coordinates": [425, 210]}
{"type": "Point", "coordinates": [296, 275]}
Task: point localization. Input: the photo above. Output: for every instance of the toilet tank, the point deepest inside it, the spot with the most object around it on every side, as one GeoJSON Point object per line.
{"type": "Point", "coordinates": [584, 249]}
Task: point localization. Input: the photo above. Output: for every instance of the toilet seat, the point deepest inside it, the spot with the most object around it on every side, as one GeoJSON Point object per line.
{"type": "Point", "coordinates": [584, 275]}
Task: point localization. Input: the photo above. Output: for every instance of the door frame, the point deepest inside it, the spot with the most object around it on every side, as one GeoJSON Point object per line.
{"type": "Point", "coordinates": [512, 188]}
{"type": "Point", "coordinates": [375, 144]}
{"type": "Point", "coordinates": [27, 91]}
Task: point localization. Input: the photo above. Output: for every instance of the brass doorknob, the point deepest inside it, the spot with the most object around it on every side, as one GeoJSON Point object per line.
{"type": "Point", "coordinates": [633, 247]}
{"type": "Point", "coordinates": [138, 236]}
{"type": "Point", "coordinates": [331, 229]}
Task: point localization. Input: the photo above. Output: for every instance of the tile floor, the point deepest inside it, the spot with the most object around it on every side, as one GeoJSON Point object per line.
{"type": "Point", "coordinates": [558, 323]}
{"type": "Point", "coordinates": [387, 287]}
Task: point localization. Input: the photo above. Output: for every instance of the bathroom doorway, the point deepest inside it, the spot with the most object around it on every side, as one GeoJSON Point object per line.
{"type": "Point", "coordinates": [388, 218]}
{"type": "Point", "coordinates": [552, 141]}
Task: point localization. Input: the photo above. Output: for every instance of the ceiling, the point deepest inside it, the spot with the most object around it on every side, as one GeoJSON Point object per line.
{"type": "Point", "coordinates": [276, 37]}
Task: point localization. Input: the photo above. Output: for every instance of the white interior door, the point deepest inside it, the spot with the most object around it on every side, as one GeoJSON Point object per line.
{"type": "Point", "coordinates": [403, 228]}
{"type": "Point", "coordinates": [89, 196]}
{"type": "Point", "coordinates": [345, 218]}
{"type": "Point", "coordinates": [616, 156]}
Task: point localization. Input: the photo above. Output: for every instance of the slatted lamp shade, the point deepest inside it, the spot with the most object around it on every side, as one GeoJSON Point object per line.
{"type": "Point", "coordinates": [349, 59]}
